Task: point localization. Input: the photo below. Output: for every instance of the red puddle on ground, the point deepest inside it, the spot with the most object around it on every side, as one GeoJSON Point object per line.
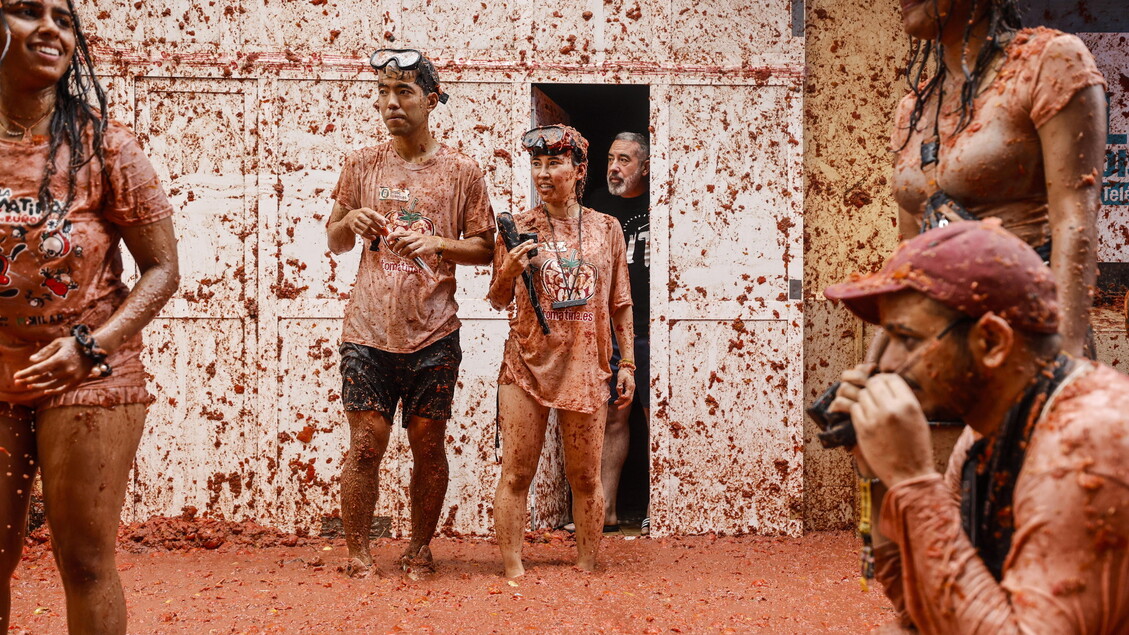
{"type": "Point", "coordinates": [688, 584]}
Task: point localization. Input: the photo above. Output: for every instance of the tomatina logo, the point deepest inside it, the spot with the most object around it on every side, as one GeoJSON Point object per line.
{"type": "Point", "coordinates": [20, 211]}
{"type": "Point", "coordinates": [570, 316]}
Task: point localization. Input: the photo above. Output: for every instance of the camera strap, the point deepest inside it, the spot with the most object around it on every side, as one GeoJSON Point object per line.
{"type": "Point", "coordinates": [992, 468]}
{"type": "Point", "coordinates": [940, 208]}
{"type": "Point", "coordinates": [866, 554]}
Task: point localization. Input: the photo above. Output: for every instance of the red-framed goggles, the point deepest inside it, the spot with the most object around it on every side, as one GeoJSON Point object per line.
{"type": "Point", "coordinates": [554, 140]}
{"type": "Point", "coordinates": [409, 60]}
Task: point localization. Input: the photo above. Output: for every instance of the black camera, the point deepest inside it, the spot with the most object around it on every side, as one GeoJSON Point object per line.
{"type": "Point", "coordinates": [835, 428]}
{"type": "Point", "coordinates": [528, 236]}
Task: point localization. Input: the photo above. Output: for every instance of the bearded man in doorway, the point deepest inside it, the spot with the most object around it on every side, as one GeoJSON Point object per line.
{"type": "Point", "coordinates": [422, 208]}
{"type": "Point", "coordinates": [627, 198]}
{"type": "Point", "coordinates": [1027, 529]}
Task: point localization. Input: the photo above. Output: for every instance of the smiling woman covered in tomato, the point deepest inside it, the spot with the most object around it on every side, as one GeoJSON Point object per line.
{"type": "Point", "coordinates": [73, 187]}
{"type": "Point", "coordinates": [578, 264]}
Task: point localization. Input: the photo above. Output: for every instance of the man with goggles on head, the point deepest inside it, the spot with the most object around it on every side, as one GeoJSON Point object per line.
{"type": "Point", "coordinates": [394, 61]}
{"type": "Point", "coordinates": [419, 208]}
{"type": "Point", "coordinates": [1026, 531]}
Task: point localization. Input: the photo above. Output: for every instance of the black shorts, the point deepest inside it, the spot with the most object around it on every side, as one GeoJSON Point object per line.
{"type": "Point", "coordinates": [372, 379]}
{"type": "Point", "coordinates": [642, 371]}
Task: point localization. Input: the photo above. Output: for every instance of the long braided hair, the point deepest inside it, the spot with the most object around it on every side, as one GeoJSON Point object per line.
{"type": "Point", "coordinates": [80, 102]}
{"type": "Point", "coordinates": [1003, 18]}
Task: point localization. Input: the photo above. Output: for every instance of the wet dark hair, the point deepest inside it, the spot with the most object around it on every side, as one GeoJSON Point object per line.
{"type": "Point", "coordinates": [578, 159]}
{"type": "Point", "coordinates": [428, 79]}
{"type": "Point", "coordinates": [1003, 18]}
{"type": "Point", "coordinates": [74, 112]}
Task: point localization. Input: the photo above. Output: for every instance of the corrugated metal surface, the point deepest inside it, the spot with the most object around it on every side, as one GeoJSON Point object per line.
{"type": "Point", "coordinates": [248, 108]}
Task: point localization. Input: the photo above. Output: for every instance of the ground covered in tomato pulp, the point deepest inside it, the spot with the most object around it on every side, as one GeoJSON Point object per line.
{"type": "Point", "coordinates": [206, 576]}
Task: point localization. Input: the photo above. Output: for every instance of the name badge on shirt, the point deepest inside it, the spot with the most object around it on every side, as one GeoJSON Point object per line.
{"type": "Point", "coordinates": [393, 194]}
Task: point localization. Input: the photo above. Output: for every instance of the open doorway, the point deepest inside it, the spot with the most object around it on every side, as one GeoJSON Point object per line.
{"type": "Point", "coordinates": [600, 112]}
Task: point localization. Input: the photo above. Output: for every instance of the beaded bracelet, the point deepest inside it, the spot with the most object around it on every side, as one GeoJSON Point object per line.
{"type": "Point", "coordinates": [90, 350]}
{"type": "Point", "coordinates": [628, 364]}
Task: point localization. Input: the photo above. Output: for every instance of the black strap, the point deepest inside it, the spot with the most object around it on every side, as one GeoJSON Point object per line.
{"type": "Point", "coordinates": [497, 422]}
{"type": "Point", "coordinates": [989, 473]}
{"type": "Point", "coordinates": [935, 208]}
{"type": "Point", "coordinates": [1044, 251]}
{"type": "Point", "coordinates": [939, 201]}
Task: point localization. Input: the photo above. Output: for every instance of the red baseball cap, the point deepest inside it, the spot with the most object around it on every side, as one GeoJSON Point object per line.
{"type": "Point", "coordinates": [974, 267]}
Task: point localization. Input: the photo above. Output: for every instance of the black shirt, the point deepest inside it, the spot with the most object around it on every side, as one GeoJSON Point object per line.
{"type": "Point", "coordinates": [634, 216]}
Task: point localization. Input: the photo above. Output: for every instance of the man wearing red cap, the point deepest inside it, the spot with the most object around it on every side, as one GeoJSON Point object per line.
{"type": "Point", "coordinates": [1027, 530]}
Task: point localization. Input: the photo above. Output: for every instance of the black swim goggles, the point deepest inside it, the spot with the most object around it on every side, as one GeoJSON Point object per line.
{"type": "Point", "coordinates": [410, 60]}
{"type": "Point", "coordinates": [551, 140]}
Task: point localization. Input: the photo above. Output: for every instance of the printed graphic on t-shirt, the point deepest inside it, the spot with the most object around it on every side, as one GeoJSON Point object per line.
{"type": "Point", "coordinates": [637, 234]}
{"type": "Point", "coordinates": [54, 244]}
{"type": "Point", "coordinates": [564, 276]}
{"type": "Point", "coordinates": [394, 194]}
{"type": "Point", "coordinates": [23, 210]}
{"type": "Point", "coordinates": [13, 244]}
{"type": "Point", "coordinates": [410, 220]}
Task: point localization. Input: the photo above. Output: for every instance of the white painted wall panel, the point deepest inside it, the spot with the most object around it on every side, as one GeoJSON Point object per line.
{"type": "Point", "coordinates": [729, 455]}
{"type": "Point", "coordinates": [722, 33]}
{"type": "Point", "coordinates": [198, 448]}
{"type": "Point", "coordinates": [734, 235]}
{"type": "Point", "coordinates": [459, 28]}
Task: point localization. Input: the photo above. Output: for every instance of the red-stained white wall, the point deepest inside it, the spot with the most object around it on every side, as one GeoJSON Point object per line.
{"type": "Point", "coordinates": [248, 107]}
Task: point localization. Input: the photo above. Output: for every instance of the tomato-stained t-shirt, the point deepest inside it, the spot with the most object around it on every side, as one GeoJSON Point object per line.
{"type": "Point", "coordinates": [394, 306]}
{"type": "Point", "coordinates": [1068, 567]}
{"type": "Point", "coordinates": [994, 166]}
{"type": "Point", "coordinates": [61, 267]}
{"type": "Point", "coordinates": [568, 368]}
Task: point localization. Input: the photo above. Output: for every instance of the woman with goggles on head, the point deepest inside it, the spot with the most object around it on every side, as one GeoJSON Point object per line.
{"type": "Point", "coordinates": [74, 185]}
{"type": "Point", "coordinates": [579, 271]}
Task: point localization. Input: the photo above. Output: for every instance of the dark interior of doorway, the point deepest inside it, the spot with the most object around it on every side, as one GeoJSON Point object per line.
{"type": "Point", "coordinates": [599, 112]}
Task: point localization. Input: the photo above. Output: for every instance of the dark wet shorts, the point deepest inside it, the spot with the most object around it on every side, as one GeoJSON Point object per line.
{"type": "Point", "coordinates": [642, 371]}
{"type": "Point", "coordinates": [424, 381]}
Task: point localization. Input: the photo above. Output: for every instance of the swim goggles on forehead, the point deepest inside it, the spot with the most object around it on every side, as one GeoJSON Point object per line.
{"type": "Point", "coordinates": [409, 60]}
{"type": "Point", "coordinates": [404, 59]}
{"type": "Point", "coordinates": [551, 140]}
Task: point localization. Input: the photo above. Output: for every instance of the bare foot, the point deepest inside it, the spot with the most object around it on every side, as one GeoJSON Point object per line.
{"type": "Point", "coordinates": [515, 572]}
{"type": "Point", "coordinates": [420, 566]}
{"type": "Point", "coordinates": [355, 568]}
